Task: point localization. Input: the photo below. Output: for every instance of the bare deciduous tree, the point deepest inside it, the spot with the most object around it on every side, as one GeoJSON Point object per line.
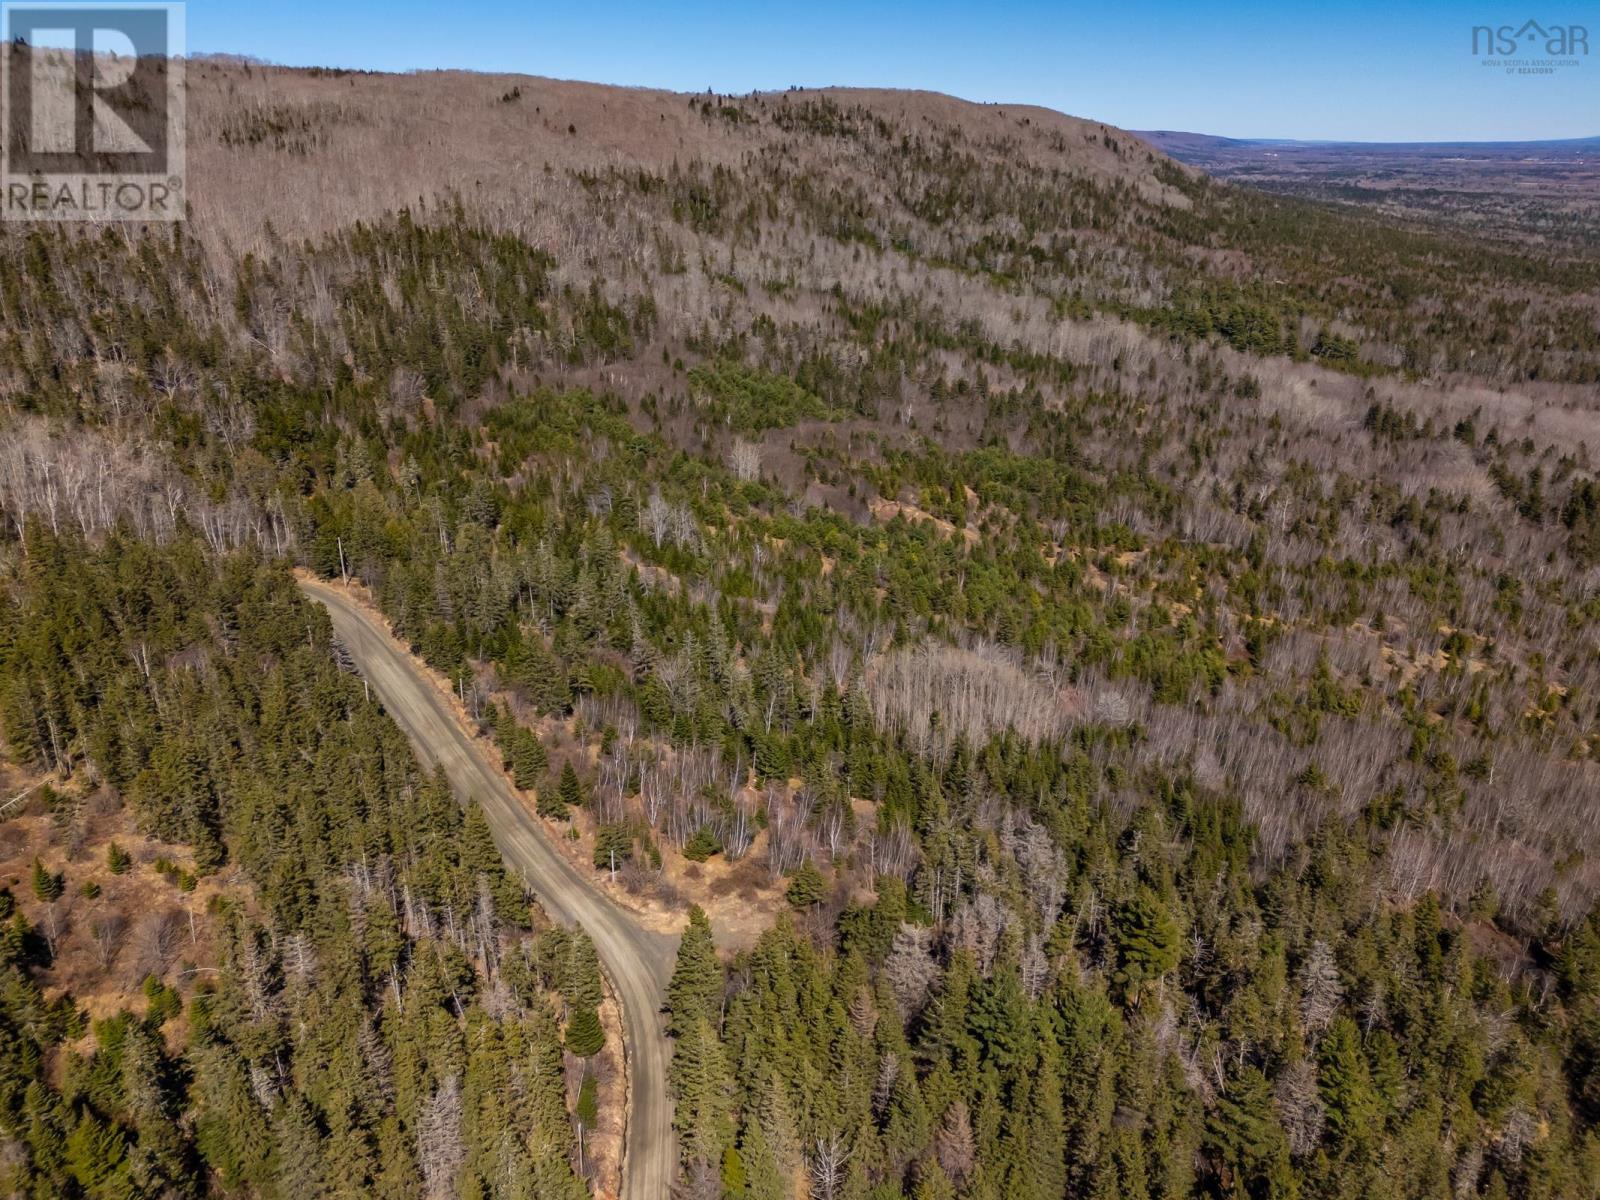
{"type": "Point", "coordinates": [155, 939]}
{"type": "Point", "coordinates": [910, 968]}
{"type": "Point", "coordinates": [1299, 1106]}
{"type": "Point", "coordinates": [745, 460]}
{"type": "Point", "coordinates": [439, 1149]}
{"type": "Point", "coordinates": [953, 1144]}
{"type": "Point", "coordinates": [977, 927]}
{"type": "Point", "coordinates": [825, 1165]}
{"type": "Point", "coordinates": [976, 693]}
{"type": "Point", "coordinates": [1320, 989]}
{"type": "Point", "coordinates": [107, 931]}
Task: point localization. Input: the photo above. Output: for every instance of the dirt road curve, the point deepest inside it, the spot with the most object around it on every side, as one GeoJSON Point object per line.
{"type": "Point", "coordinates": [638, 961]}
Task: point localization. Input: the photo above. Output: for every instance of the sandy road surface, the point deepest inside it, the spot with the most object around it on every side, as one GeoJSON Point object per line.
{"type": "Point", "coordinates": [637, 960]}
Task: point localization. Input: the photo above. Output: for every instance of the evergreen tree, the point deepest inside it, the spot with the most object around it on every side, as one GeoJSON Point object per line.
{"type": "Point", "coordinates": [558, 802]}
{"type": "Point", "coordinates": [46, 886]}
{"type": "Point", "coordinates": [1248, 1148]}
{"type": "Point", "coordinates": [585, 1036]}
{"type": "Point", "coordinates": [695, 990]}
{"type": "Point", "coordinates": [569, 791]}
{"type": "Point", "coordinates": [702, 1093]}
{"type": "Point", "coordinates": [349, 1152]}
{"type": "Point", "coordinates": [772, 757]}
{"type": "Point", "coordinates": [581, 985]}
{"type": "Point", "coordinates": [297, 1163]}
{"type": "Point", "coordinates": [1346, 1084]}
{"type": "Point", "coordinates": [96, 1157]}
{"type": "Point", "coordinates": [762, 1178]}
{"type": "Point", "coordinates": [613, 846]}
{"type": "Point", "coordinates": [481, 859]}
{"type": "Point", "coordinates": [806, 886]}
{"type": "Point", "coordinates": [528, 759]}
{"type": "Point", "coordinates": [1148, 942]}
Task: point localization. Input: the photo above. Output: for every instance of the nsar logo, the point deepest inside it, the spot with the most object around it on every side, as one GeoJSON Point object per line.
{"type": "Point", "coordinates": [1532, 48]}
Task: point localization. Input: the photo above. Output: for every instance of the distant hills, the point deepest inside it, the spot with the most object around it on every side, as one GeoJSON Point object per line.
{"type": "Point", "coordinates": [1205, 150]}
{"type": "Point", "coordinates": [1545, 189]}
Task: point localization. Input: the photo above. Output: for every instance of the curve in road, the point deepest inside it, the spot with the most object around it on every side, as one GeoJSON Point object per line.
{"type": "Point", "coordinates": [638, 961]}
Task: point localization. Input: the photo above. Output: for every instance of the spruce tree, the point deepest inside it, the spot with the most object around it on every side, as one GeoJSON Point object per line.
{"type": "Point", "coordinates": [806, 886]}
{"type": "Point", "coordinates": [1346, 1083]}
{"type": "Point", "coordinates": [581, 985]}
{"type": "Point", "coordinates": [569, 791]}
{"type": "Point", "coordinates": [1250, 1153]}
{"type": "Point", "coordinates": [613, 846]}
{"type": "Point", "coordinates": [734, 1179]}
{"type": "Point", "coordinates": [762, 1178]}
{"type": "Point", "coordinates": [556, 803]}
{"type": "Point", "coordinates": [96, 1157]}
{"type": "Point", "coordinates": [528, 759]}
{"type": "Point", "coordinates": [481, 858]}
{"type": "Point", "coordinates": [1149, 942]}
{"type": "Point", "coordinates": [695, 989]}
{"type": "Point", "coordinates": [297, 1150]}
{"type": "Point", "coordinates": [702, 1093]}
{"type": "Point", "coordinates": [585, 1035]}
{"type": "Point", "coordinates": [772, 757]}
{"type": "Point", "coordinates": [349, 1157]}
{"type": "Point", "coordinates": [46, 886]}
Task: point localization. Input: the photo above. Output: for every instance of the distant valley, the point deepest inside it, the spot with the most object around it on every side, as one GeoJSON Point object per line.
{"type": "Point", "coordinates": [1548, 189]}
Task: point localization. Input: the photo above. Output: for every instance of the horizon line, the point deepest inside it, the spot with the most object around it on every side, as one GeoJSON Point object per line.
{"type": "Point", "coordinates": [255, 60]}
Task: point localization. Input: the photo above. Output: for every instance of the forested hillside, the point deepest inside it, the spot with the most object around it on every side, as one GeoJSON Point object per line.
{"type": "Point", "coordinates": [1141, 634]}
{"type": "Point", "coordinates": [375, 1019]}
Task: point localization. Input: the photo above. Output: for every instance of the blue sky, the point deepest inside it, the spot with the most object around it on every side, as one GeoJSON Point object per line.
{"type": "Point", "coordinates": [1338, 69]}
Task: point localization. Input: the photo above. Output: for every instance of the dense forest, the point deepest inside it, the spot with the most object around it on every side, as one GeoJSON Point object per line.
{"type": "Point", "coordinates": [1131, 639]}
{"type": "Point", "coordinates": [381, 1018]}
